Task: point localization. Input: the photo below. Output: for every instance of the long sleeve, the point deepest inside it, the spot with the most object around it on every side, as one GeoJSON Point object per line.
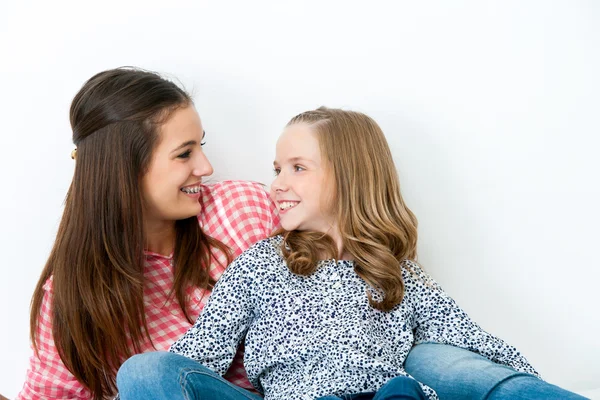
{"type": "Point", "coordinates": [437, 318]}
{"type": "Point", "coordinates": [216, 335]}
{"type": "Point", "coordinates": [47, 376]}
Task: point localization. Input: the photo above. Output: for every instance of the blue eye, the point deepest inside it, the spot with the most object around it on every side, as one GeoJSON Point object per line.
{"type": "Point", "coordinates": [186, 154]}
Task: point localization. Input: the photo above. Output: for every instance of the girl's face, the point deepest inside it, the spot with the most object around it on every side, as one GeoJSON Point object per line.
{"type": "Point", "coordinates": [300, 187]}
{"type": "Point", "coordinates": [171, 186]}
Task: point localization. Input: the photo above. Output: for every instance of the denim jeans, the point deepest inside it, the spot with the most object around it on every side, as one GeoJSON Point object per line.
{"type": "Point", "coordinates": [456, 374]}
{"type": "Point", "coordinates": [399, 388]}
{"type": "Point", "coordinates": [164, 375]}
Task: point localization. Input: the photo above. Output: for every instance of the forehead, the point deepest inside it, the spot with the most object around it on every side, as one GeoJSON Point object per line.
{"type": "Point", "coordinates": [184, 124]}
{"type": "Point", "coordinates": [299, 140]}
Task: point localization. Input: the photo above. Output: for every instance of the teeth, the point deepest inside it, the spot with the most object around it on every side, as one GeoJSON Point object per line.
{"type": "Point", "coordinates": [287, 204]}
{"type": "Point", "coordinates": [191, 190]}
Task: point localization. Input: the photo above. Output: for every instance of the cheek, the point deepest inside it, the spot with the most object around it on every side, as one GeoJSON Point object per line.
{"type": "Point", "coordinates": [169, 180]}
{"type": "Point", "coordinates": [159, 185]}
{"type": "Point", "coordinates": [146, 187]}
{"type": "Point", "coordinates": [327, 197]}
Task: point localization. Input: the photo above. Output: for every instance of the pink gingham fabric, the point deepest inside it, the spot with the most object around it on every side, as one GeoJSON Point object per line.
{"type": "Point", "coordinates": [238, 214]}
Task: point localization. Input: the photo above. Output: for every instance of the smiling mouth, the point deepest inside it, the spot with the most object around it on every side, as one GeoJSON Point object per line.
{"type": "Point", "coordinates": [286, 205]}
{"type": "Point", "coordinates": [191, 190]}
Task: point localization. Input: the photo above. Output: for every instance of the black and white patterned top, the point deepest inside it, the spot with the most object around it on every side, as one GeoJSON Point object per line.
{"type": "Point", "coordinates": [317, 335]}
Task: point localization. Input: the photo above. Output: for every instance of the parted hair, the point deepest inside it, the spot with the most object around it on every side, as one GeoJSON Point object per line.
{"type": "Point", "coordinates": [96, 263]}
{"type": "Point", "coordinates": [377, 228]}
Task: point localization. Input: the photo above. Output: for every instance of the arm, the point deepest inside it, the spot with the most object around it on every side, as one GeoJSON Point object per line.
{"type": "Point", "coordinates": [239, 214]}
{"type": "Point", "coordinates": [439, 319]}
{"type": "Point", "coordinates": [47, 376]}
{"type": "Point", "coordinates": [216, 335]}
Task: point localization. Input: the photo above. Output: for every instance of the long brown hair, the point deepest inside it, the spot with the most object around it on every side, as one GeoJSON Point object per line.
{"type": "Point", "coordinates": [377, 228]}
{"type": "Point", "coordinates": [96, 263]}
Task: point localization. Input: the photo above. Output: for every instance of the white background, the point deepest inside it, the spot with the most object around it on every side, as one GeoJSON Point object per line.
{"type": "Point", "coordinates": [491, 109]}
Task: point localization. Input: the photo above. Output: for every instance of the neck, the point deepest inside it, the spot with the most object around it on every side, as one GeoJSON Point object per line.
{"type": "Point", "coordinates": [339, 244]}
{"type": "Point", "coordinates": [160, 237]}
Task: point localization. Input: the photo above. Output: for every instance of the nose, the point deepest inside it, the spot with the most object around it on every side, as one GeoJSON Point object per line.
{"type": "Point", "coordinates": [279, 183]}
{"type": "Point", "coordinates": [202, 167]}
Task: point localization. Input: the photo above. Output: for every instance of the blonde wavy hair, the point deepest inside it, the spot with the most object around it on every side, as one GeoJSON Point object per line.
{"type": "Point", "coordinates": [377, 228]}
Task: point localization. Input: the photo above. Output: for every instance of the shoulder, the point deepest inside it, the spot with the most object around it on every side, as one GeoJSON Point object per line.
{"type": "Point", "coordinates": [236, 200]}
{"type": "Point", "coordinates": [415, 276]}
{"type": "Point", "coordinates": [235, 190]}
{"type": "Point", "coordinates": [48, 285]}
{"type": "Point", "coordinates": [264, 255]}
{"type": "Point", "coordinates": [266, 251]}
{"type": "Point", "coordinates": [238, 213]}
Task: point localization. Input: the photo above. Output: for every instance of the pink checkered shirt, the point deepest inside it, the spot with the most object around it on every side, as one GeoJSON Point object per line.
{"type": "Point", "coordinates": [236, 213]}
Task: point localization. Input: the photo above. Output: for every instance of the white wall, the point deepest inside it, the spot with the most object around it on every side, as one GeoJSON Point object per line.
{"type": "Point", "coordinates": [491, 110]}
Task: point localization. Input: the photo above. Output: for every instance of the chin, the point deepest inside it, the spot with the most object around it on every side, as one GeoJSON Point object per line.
{"type": "Point", "coordinates": [289, 227]}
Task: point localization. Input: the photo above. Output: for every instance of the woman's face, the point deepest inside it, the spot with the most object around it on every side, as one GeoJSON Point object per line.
{"type": "Point", "coordinates": [171, 186]}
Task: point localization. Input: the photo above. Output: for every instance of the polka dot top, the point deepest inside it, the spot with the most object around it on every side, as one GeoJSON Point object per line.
{"type": "Point", "coordinates": [312, 336]}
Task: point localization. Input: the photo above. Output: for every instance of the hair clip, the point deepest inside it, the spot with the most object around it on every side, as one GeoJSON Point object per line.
{"type": "Point", "coordinates": [74, 154]}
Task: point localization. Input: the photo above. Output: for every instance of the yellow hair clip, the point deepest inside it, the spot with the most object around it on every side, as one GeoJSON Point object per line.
{"type": "Point", "coordinates": [74, 154]}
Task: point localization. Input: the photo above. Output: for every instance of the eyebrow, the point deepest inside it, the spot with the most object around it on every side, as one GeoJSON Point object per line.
{"type": "Point", "coordinates": [182, 145]}
{"type": "Point", "coordinates": [188, 143]}
{"type": "Point", "coordinates": [295, 160]}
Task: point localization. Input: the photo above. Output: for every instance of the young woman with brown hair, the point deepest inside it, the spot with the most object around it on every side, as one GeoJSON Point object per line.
{"type": "Point", "coordinates": [141, 241]}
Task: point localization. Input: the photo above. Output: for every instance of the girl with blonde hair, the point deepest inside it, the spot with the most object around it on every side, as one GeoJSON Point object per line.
{"type": "Point", "coordinates": [330, 306]}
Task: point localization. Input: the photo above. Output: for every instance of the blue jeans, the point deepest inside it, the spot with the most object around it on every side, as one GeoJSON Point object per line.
{"type": "Point", "coordinates": [164, 375]}
{"type": "Point", "coordinates": [398, 388]}
{"type": "Point", "coordinates": [456, 374]}
{"type": "Point", "coordinates": [453, 372]}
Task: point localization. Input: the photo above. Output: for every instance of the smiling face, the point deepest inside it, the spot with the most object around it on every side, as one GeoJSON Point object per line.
{"type": "Point", "coordinates": [301, 188]}
{"type": "Point", "coordinates": [171, 186]}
